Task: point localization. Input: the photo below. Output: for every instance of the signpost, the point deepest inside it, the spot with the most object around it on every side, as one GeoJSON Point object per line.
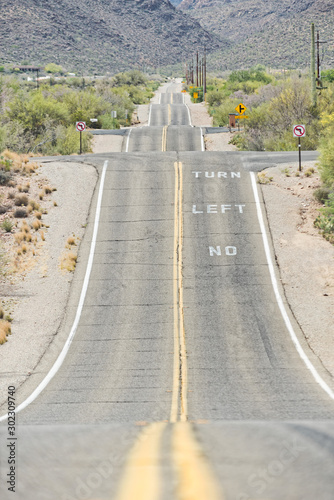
{"type": "Point", "coordinates": [113, 116]}
{"type": "Point", "coordinates": [299, 131]}
{"type": "Point", "coordinates": [80, 126]}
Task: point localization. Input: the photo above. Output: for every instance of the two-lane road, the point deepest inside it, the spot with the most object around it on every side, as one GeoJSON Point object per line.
{"type": "Point", "coordinates": [183, 379]}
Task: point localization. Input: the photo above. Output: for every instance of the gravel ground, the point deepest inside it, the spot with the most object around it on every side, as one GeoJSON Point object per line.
{"type": "Point", "coordinates": [219, 142]}
{"type": "Point", "coordinates": [38, 298]}
{"type": "Point", "coordinates": [107, 144]}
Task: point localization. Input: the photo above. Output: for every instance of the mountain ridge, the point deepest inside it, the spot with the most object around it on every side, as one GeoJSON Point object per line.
{"type": "Point", "coordinates": [98, 35]}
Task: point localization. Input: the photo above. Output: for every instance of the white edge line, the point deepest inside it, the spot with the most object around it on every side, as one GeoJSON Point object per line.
{"type": "Point", "coordinates": [149, 116]}
{"type": "Point", "coordinates": [62, 355]}
{"type": "Point", "coordinates": [202, 139]}
{"type": "Point", "coordinates": [128, 141]}
{"type": "Point", "coordinates": [189, 115]}
{"type": "Point", "coordinates": [281, 306]}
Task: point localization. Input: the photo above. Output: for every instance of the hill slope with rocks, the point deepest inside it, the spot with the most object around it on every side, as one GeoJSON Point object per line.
{"type": "Point", "coordinates": [98, 35]}
{"type": "Point", "coordinates": [273, 33]}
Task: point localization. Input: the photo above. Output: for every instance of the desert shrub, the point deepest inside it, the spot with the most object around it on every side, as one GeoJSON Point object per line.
{"type": "Point", "coordinates": [7, 225]}
{"type": "Point", "coordinates": [321, 194]}
{"type": "Point", "coordinates": [4, 177]}
{"type": "Point", "coordinates": [20, 213]}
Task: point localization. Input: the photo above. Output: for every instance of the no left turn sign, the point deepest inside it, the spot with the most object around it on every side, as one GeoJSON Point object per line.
{"type": "Point", "coordinates": [80, 126]}
{"type": "Point", "coordinates": [299, 131]}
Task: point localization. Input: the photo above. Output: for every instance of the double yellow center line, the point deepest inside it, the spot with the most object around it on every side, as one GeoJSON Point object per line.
{"type": "Point", "coordinates": [142, 478]}
{"type": "Point", "coordinates": [180, 377]}
{"type": "Point", "coordinates": [164, 130]}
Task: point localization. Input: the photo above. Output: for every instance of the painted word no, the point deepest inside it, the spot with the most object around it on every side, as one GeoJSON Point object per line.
{"type": "Point", "coordinates": [230, 251]}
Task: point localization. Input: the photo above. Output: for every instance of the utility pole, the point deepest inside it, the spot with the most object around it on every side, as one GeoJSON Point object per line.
{"type": "Point", "coordinates": [204, 75]}
{"type": "Point", "coordinates": [202, 72]}
{"type": "Point", "coordinates": [318, 57]}
{"type": "Point", "coordinates": [313, 77]}
{"type": "Point", "coordinates": [197, 69]}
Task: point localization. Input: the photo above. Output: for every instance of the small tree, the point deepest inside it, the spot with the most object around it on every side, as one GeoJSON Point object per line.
{"type": "Point", "coordinates": [54, 68]}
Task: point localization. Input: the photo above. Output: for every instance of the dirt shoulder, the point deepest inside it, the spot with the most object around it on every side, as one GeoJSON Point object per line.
{"type": "Point", "coordinates": [305, 258]}
{"type": "Point", "coordinates": [35, 291]}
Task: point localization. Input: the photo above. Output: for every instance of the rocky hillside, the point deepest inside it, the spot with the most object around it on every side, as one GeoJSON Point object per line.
{"type": "Point", "coordinates": [98, 35]}
{"type": "Point", "coordinates": [269, 32]}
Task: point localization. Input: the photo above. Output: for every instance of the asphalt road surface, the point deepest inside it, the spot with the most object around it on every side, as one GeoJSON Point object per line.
{"type": "Point", "coordinates": [184, 377]}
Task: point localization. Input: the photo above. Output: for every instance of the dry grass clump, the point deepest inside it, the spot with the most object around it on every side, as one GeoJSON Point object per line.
{"type": "Point", "coordinates": [34, 204]}
{"type": "Point", "coordinates": [25, 228]}
{"type": "Point", "coordinates": [47, 189]}
{"type": "Point", "coordinates": [21, 200]}
{"type": "Point", "coordinates": [263, 179]}
{"type": "Point", "coordinates": [36, 224]}
{"type": "Point", "coordinates": [70, 242]}
{"type": "Point", "coordinates": [38, 215]}
{"type": "Point", "coordinates": [19, 163]}
{"type": "Point", "coordinates": [14, 157]}
{"type": "Point", "coordinates": [19, 237]}
{"type": "Point", "coordinates": [30, 168]}
{"type": "Point", "coordinates": [5, 330]}
{"type": "Point", "coordinates": [11, 194]}
{"type": "Point", "coordinates": [68, 261]}
{"type": "Point", "coordinates": [24, 189]}
{"type": "Point", "coordinates": [309, 172]}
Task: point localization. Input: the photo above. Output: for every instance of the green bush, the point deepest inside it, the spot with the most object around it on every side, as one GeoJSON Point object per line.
{"type": "Point", "coordinates": [321, 194]}
{"type": "Point", "coordinates": [41, 121]}
{"type": "Point", "coordinates": [7, 225]}
{"type": "Point", "coordinates": [68, 140]}
{"type": "Point", "coordinates": [325, 221]}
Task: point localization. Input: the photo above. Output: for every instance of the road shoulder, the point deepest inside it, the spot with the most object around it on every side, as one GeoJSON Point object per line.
{"type": "Point", "coordinates": [38, 297]}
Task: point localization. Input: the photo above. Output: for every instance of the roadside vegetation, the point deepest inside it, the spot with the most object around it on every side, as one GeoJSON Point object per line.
{"type": "Point", "coordinates": [275, 102]}
{"type": "Point", "coordinates": [43, 121]}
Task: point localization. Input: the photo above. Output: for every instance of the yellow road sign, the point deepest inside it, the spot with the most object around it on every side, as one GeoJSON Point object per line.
{"type": "Point", "coordinates": [241, 117]}
{"type": "Point", "coordinates": [195, 95]}
{"type": "Point", "coordinates": [241, 108]}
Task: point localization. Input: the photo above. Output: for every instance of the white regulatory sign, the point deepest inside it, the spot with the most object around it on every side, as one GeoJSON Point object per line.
{"type": "Point", "coordinates": [299, 131]}
{"type": "Point", "coordinates": [80, 126]}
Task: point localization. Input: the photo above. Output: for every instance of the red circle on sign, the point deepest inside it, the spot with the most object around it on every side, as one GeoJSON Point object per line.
{"type": "Point", "coordinates": [81, 126]}
{"type": "Point", "coordinates": [299, 130]}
